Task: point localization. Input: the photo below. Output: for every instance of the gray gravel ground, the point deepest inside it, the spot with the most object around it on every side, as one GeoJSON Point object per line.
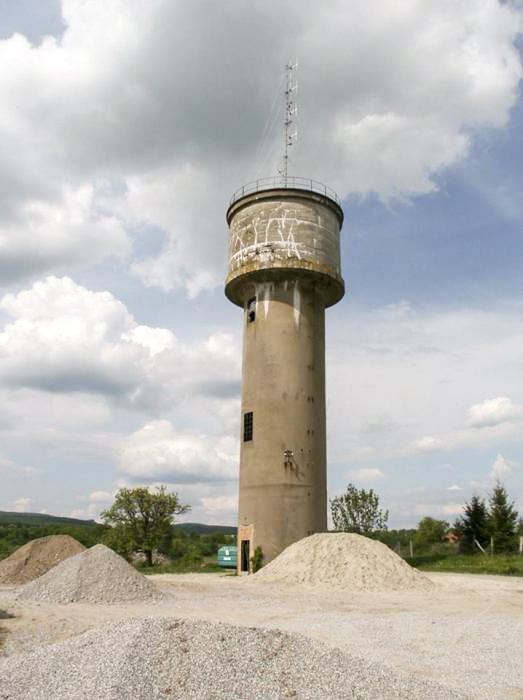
{"type": "Point", "coordinates": [97, 575]}
{"type": "Point", "coordinates": [466, 632]}
{"type": "Point", "coordinates": [479, 654]}
{"type": "Point", "coordinates": [157, 658]}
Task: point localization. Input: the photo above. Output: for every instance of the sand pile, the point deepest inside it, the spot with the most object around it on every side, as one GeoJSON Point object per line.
{"type": "Point", "coordinates": [97, 575]}
{"type": "Point", "coordinates": [36, 558]}
{"type": "Point", "coordinates": [146, 658]}
{"type": "Point", "coordinates": [342, 560]}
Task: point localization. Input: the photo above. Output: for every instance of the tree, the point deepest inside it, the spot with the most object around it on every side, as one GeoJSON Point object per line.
{"type": "Point", "coordinates": [141, 519]}
{"type": "Point", "coordinates": [502, 520]}
{"type": "Point", "coordinates": [430, 531]}
{"type": "Point", "coordinates": [473, 525]}
{"type": "Point", "coordinates": [357, 510]}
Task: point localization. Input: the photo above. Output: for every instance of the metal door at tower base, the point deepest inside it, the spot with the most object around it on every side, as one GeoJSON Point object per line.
{"type": "Point", "coordinates": [245, 555]}
{"type": "Point", "coordinates": [245, 548]}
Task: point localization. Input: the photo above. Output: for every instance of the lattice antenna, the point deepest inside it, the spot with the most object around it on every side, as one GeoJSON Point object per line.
{"type": "Point", "coordinates": [291, 110]}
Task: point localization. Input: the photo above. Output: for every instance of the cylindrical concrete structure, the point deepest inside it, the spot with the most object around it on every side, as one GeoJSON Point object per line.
{"type": "Point", "coordinates": [284, 269]}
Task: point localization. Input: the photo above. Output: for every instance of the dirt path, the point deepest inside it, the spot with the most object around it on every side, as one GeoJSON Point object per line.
{"type": "Point", "coordinates": [466, 632]}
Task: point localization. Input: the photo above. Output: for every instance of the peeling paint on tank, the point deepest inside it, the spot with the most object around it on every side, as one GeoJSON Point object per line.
{"type": "Point", "coordinates": [264, 291]}
{"type": "Point", "coordinates": [296, 302]}
{"type": "Point", "coordinates": [265, 252]}
{"type": "Point", "coordinates": [281, 227]}
{"type": "Point", "coordinates": [266, 297]}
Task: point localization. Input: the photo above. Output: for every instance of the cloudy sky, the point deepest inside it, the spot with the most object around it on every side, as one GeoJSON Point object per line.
{"type": "Point", "coordinates": [125, 126]}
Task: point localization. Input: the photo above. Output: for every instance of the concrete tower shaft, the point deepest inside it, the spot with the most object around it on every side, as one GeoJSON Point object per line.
{"type": "Point", "coordinates": [284, 269]}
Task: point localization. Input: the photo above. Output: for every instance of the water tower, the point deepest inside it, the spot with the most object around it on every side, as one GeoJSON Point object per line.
{"type": "Point", "coordinates": [284, 270]}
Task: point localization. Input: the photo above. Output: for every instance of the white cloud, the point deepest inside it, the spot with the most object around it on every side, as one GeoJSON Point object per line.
{"type": "Point", "coordinates": [56, 427]}
{"type": "Point", "coordinates": [91, 512]}
{"type": "Point", "coordinates": [23, 505]}
{"type": "Point", "coordinates": [435, 509]}
{"type": "Point", "coordinates": [53, 235]}
{"type": "Point", "coordinates": [452, 508]}
{"type": "Point", "coordinates": [493, 412]}
{"type": "Point", "coordinates": [454, 487]}
{"type": "Point", "coordinates": [369, 474]}
{"type": "Point", "coordinates": [72, 364]}
{"type": "Point", "coordinates": [158, 452]}
{"type": "Point", "coordinates": [427, 444]}
{"type": "Point", "coordinates": [149, 113]}
{"type": "Point", "coordinates": [424, 370]}
{"type": "Point", "coordinates": [65, 338]}
{"type": "Point", "coordinates": [10, 468]}
{"type": "Point", "coordinates": [221, 504]}
{"type": "Point", "coordinates": [217, 510]}
{"type": "Point", "coordinates": [96, 502]}
{"type": "Point", "coordinates": [172, 199]}
{"type": "Point", "coordinates": [212, 502]}
{"type": "Point", "coordinates": [100, 496]}
{"type": "Point", "coordinates": [502, 468]}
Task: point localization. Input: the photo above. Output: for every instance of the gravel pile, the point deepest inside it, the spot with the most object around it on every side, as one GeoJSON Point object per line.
{"type": "Point", "coordinates": [344, 561]}
{"type": "Point", "coordinates": [36, 558]}
{"type": "Point", "coordinates": [97, 575]}
{"type": "Point", "coordinates": [154, 658]}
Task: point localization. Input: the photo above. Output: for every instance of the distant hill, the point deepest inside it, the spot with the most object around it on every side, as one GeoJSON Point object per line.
{"type": "Point", "coordinates": [7, 518]}
{"type": "Point", "coordinates": [200, 529]}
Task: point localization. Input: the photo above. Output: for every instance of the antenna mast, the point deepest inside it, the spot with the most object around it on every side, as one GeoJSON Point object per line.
{"type": "Point", "coordinates": [291, 109]}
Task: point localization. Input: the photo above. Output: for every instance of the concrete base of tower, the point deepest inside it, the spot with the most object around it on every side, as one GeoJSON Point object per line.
{"type": "Point", "coordinates": [279, 516]}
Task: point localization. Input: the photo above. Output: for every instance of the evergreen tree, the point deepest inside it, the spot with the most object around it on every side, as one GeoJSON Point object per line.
{"type": "Point", "coordinates": [502, 520]}
{"type": "Point", "coordinates": [473, 525]}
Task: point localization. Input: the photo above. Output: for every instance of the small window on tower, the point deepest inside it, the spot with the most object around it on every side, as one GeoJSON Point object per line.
{"type": "Point", "coordinates": [251, 310]}
{"type": "Point", "coordinates": [247, 426]}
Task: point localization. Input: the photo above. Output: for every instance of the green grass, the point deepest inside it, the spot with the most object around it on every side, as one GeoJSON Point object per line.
{"type": "Point", "coordinates": [499, 564]}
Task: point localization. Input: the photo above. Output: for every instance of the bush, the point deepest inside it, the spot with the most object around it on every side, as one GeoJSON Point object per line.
{"type": "Point", "coordinates": [257, 559]}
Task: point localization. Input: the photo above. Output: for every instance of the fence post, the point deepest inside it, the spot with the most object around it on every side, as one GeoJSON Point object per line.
{"type": "Point", "coordinates": [521, 544]}
{"type": "Point", "coordinates": [411, 548]}
{"type": "Point", "coordinates": [479, 546]}
{"type": "Point", "coordinates": [491, 546]}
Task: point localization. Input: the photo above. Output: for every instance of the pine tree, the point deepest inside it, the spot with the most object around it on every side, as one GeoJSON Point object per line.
{"type": "Point", "coordinates": [502, 520]}
{"type": "Point", "coordinates": [473, 525]}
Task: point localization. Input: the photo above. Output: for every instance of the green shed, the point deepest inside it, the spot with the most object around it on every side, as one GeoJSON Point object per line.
{"type": "Point", "coordinates": [227, 556]}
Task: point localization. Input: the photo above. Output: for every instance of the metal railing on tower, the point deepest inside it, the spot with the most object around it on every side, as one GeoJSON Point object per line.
{"type": "Point", "coordinates": [285, 182]}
